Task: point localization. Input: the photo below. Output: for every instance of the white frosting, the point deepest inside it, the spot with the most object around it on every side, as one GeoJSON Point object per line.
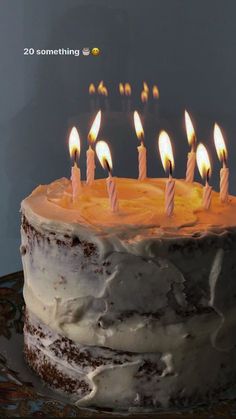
{"type": "Point", "coordinates": [66, 291]}
{"type": "Point", "coordinates": [135, 281]}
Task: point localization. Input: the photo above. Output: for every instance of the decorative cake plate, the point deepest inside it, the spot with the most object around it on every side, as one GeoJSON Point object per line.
{"type": "Point", "coordinates": [22, 393]}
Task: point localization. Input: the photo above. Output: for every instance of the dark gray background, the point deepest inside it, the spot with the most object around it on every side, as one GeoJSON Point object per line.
{"type": "Point", "coordinates": [186, 46]}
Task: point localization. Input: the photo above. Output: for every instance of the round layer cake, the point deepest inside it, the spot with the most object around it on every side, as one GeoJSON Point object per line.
{"type": "Point", "coordinates": [134, 310]}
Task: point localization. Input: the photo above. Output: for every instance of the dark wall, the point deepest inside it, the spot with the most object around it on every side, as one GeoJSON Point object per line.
{"type": "Point", "coordinates": [187, 47]}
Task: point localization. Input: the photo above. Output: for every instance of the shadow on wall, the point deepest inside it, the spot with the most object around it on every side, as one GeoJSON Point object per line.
{"type": "Point", "coordinates": [36, 151]}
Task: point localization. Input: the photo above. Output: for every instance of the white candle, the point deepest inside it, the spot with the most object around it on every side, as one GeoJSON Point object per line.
{"type": "Point", "coordinates": [76, 182]}
{"type": "Point", "coordinates": [169, 196]}
{"type": "Point", "coordinates": [142, 161]}
{"type": "Point", "coordinates": [191, 163]}
{"type": "Point", "coordinates": [90, 165]}
{"type": "Point", "coordinates": [142, 152]}
{"type": "Point", "coordinates": [222, 155]}
{"type": "Point", "coordinates": [167, 159]}
{"type": "Point", "coordinates": [74, 148]}
{"type": "Point", "coordinates": [112, 193]}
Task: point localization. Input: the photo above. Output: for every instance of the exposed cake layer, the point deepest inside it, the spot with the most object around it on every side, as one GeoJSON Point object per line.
{"type": "Point", "coordinates": [196, 373]}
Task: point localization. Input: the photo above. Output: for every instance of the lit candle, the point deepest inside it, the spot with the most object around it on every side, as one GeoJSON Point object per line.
{"type": "Point", "coordinates": [145, 87]}
{"type": "Point", "coordinates": [122, 92]}
{"type": "Point", "coordinates": [204, 167]}
{"type": "Point", "coordinates": [142, 152]}
{"type": "Point", "coordinates": [156, 97]}
{"type": "Point", "coordinates": [128, 96]}
{"type": "Point", "coordinates": [92, 136]}
{"type": "Point", "coordinates": [105, 94]}
{"type": "Point", "coordinates": [167, 159]}
{"type": "Point", "coordinates": [222, 155]}
{"type": "Point", "coordinates": [92, 93]}
{"type": "Point", "coordinates": [100, 95]}
{"type": "Point", "coordinates": [144, 100]}
{"type": "Point", "coordinates": [192, 154]}
{"type": "Point", "coordinates": [104, 156]}
{"type": "Point", "coordinates": [74, 148]}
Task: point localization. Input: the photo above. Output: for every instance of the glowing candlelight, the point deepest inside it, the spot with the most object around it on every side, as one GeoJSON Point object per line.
{"type": "Point", "coordinates": [121, 89]}
{"type": "Point", "coordinates": [222, 155]}
{"type": "Point", "coordinates": [204, 167]}
{"type": "Point", "coordinates": [92, 136]}
{"type": "Point", "coordinates": [192, 154]}
{"type": "Point", "coordinates": [92, 89]}
{"type": "Point", "coordinates": [105, 94]}
{"type": "Point", "coordinates": [144, 96]}
{"type": "Point", "coordinates": [145, 87]}
{"type": "Point", "coordinates": [156, 96]}
{"type": "Point", "coordinates": [74, 148]}
{"type": "Point", "coordinates": [142, 152]}
{"type": "Point", "coordinates": [122, 93]}
{"type": "Point", "coordinates": [144, 99]}
{"type": "Point", "coordinates": [92, 94]}
{"type": "Point", "coordinates": [100, 87]}
{"type": "Point", "coordinates": [128, 96]}
{"type": "Point", "coordinates": [104, 156]}
{"type": "Point", "coordinates": [167, 159]}
{"type": "Point", "coordinates": [155, 92]}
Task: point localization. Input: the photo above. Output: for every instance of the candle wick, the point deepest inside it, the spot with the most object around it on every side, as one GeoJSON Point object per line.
{"type": "Point", "coordinates": [207, 176]}
{"type": "Point", "coordinates": [75, 158]}
{"type": "Point", "coordinates": [170, 169]}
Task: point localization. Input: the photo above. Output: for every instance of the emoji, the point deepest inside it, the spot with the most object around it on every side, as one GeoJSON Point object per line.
{"type": "Point", "coordinates": [95, 51]}
{"type": "Point", "coordinates": [86, 51]}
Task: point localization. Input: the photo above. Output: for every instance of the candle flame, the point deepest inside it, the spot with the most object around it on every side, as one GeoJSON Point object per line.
{"type": "Point", "coordinates": [104, 91]}
{"type": "Point", "coordinates": [166, 152]}
{"type": "Point", "coordinates": [92, 89]}
{"type": "Point", "coordinates": [220, 143]}
{"type": "Point", "coordinates": [145, 87]}
{"type": "Point", "coordinates": [189, 129]}
{"type": "Point", "coordinates": [74, 143]}
{"type": "Point", "coordinates": [138, 126]}
{"type": "Point", "coordinates": [100, 87]}
{"type": "Point", "coordinates": [127, 89]}
{"type": "Point", "coordinates": [121, 89]}
{"type": "Point", "coordinates": [155, 92]}
{"type": "Point", "coordinates": [144, 96]}
{"type": "Point", "coordinates": [93, 133]}
{"type": "Point", "coordinates": [203, 161]}
{"type": "Point", "coordinates": [104, 155]}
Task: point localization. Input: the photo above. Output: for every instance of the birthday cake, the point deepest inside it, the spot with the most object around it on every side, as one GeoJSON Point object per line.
{"type": "Point", "coordinates": [130, 310]}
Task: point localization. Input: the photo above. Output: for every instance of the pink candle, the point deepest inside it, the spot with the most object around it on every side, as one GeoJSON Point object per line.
{"type": "Point", "coordinates": [222, 155]}
{"type": "Point", "coordinates": [76, 182]}
{"type": "Point", "coordinates": [142, 152]}
{"type": "Point", "coordinates": [90, 166]}
{"type": "Point", "coordinates": [112, 193]}
{"type": "Point", "coordinates": [167, 159]}
{"type": "Point", "coordinates": [74, 148]}
{"type": "Point", "coordinates": [169, 196]}
{"type": "Point", "coordinates": [104, 156]}
{"type": "Point", "coordinates": [206, 199]}
{"type": "Point", "coordinates": [224, 184]}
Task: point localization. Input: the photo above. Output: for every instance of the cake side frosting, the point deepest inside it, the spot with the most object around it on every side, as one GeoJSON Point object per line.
{"type": "Point", "coordinates": [132, 286]}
